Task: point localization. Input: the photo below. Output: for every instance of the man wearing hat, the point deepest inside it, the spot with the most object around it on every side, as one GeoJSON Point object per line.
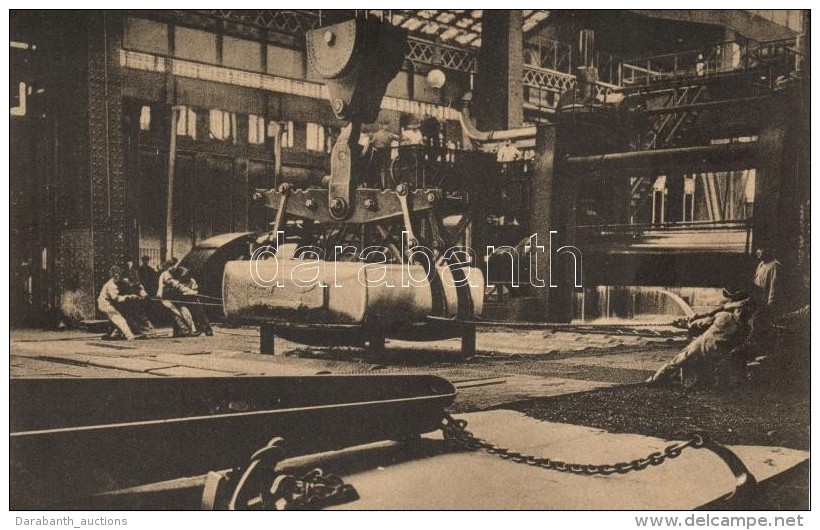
{"type": "Point", "coordinates": [707, 359]}
{"type": "Point", "coordinates": [411, 135]}
{"type": "Point", "coordinates": [699, 323]}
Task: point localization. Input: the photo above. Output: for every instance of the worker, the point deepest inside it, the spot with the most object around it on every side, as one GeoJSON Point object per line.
{"type": "Point", "coordinates": [700, 66]}
{"type": "Point", "coordinates": [411, 135]}
{"type": "Point", "coordinates": [381, 146]}
{"type": "Point", "coordinates": [182, 320]}
{"type": "Point", "coordinates": [148, 275]}
{"type": "Point", "coordinates": [707, 358]}
{"type": "Point", "coordinates": [430, 130]}
{"type": "Point", "coordinates": [111, 300]}
{"type": "Point", "coordinates": [771, 302]}
{"type": "Point", "coordinates": [135, 308]}
{"type": "Point", "coordinates": [130, 273]}
{"type": "Point", "coordinates": [766, 279]}
{"type": "Point", "coordinates": [508, 152]}
{"type": "Point", "coordinates": [183, 288]}
{"type": "Point", "coordinates": [382, 138]}
{"type": "Point", "coordinates": [700, 322]}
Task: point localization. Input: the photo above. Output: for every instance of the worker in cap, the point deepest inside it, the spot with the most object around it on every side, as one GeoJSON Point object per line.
{"type": "Point", "coordinates": [709, 359]}
{"type": "Point", "coordinates": [411, 135]}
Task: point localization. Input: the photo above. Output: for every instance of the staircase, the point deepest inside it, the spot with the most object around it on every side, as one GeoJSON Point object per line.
{"type": "Point", "coordinates": [665, 131]}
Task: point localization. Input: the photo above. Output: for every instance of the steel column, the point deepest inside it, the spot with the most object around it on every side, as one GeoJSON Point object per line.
{"type": "Point", "coordinates": [499, 84]}
{"type": "Point", "coordinates": [167, 244]}
{"type": "Point", "coordinates": [552, 203]}
{"type": "Point", "coordinates": [107, 169]}
{"type": "Point", "coordinates": [783, 174]}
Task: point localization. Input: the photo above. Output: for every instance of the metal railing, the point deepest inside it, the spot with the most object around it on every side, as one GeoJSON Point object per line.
{"type": "Point", "coordinates": [718, 59]}
{"type": "Point", "coordinates": [547, 79]}
{"type": "Point", "coordinates": [293, 22]}
{"type": "Point", "coordinates": [547, 53]}
{"type": "Point", "coordinates": [544, 87]}
{"type": "Point", "coordinates": [444, 55]}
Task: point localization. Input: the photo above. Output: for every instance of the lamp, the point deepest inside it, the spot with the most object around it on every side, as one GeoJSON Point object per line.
{"type": "Point", "coordinates": [436, 78]}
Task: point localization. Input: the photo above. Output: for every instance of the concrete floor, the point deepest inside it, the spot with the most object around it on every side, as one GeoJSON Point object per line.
{"type": "Point", "coordinates": [508, 366]}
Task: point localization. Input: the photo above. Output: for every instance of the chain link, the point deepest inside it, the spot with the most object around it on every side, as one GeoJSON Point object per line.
{"type": "Point", "coordinates": [455, 431]}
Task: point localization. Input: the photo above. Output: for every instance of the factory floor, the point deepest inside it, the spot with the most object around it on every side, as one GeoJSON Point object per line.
{"type": "Point", "coordinates": [509, 365]}
{"type": "Point", "coordinates": [578, 383]}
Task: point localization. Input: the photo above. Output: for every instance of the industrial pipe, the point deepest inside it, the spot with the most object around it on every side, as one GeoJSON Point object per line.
{"type": "Point", "coordinates": [474, 134]}
{"type": "Point", "coordinates": [708, 155]}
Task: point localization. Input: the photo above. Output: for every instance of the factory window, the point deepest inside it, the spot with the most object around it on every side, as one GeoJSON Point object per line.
{"type": "Point", "coordinates": [287, 133]}
{"type": "Point", "coordinates": [256, 129]}
{"type": "Point", "coordinates": [659, 200]}
{"type": "Point", "coordinates": [145, 118]}
{"type": "Point", "coordinates": [186, 122]}
{"type": "Point", "coordinates": [284, 62]}
{"type": "Point", "coordinates": [330, 139]}
{"type": "Point", "coordinates": [195, 44]}
{"type": "Point", "coordinates": [689, 198]}
{"type": "Point", "coordinates": [242, 54]}
{"type": "Point", "coordinates": [315, 140]}
{"type": "Point", "coordinates": [749, 189]}
{"type": "Point", "coordinates": [222, 125]}
{"type": "Point", "coordinates": [145, 36]}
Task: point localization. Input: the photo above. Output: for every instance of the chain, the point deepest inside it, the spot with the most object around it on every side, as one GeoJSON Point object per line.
{"type": "Point", "coordinates": [312, 491]}
{"type": "Point", "coordinates": [455, 431]}
{"type": "Point", "coordinates": [258, 486]}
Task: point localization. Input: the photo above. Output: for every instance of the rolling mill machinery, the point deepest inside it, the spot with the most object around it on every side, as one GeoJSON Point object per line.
{"type": "Point", "coordinates": [596, 169]}
{"type": "Point", "coordinates": [374, 259]}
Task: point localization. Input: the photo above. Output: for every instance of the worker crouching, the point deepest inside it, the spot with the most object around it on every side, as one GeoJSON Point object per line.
{"type": "Point", "coordinates": [711, 358]}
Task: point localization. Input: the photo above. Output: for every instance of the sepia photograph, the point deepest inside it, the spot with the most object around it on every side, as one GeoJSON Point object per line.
{"type": "Point", "coordinates": [410, 259]}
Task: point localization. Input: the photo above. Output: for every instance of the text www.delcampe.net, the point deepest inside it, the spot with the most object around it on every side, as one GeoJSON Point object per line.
{"type": "Point", "coordinates": [734, 521]}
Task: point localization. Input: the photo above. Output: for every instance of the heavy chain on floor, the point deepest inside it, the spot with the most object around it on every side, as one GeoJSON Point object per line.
{"type": "Point", "coordinates": [456, 431]}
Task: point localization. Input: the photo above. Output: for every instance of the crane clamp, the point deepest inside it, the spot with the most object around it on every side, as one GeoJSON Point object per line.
{"type": "Point", "coordinates": [368, 205]}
